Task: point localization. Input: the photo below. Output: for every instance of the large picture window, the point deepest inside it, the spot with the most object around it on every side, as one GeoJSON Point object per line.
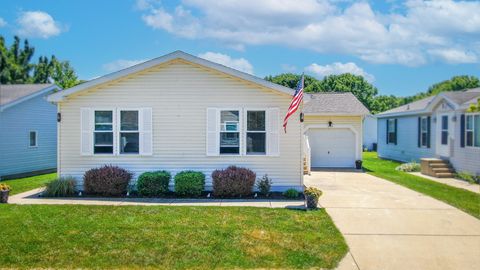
{"type": "Point", "coordinates": [472, 130]}
{"type": "Point", "coordinates": [129, 132]}
{"type": "Point", "coordinates": [256, 133]}
{"type": "Point", "coordinates": [103, 132]}
{"type": "Point", "coordinates": [230, 132]}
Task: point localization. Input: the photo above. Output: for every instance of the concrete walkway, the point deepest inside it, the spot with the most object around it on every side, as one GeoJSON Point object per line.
{"type": "Point", "coordinates": [388, 226]}
{"type": "Point", "coordinates": [451, 182]}
{"type": "Point", "coordinates": [31, 197]}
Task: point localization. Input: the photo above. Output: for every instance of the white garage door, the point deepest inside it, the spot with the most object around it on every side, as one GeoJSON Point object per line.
{"type": "Point", "coordinates": [332, 147]}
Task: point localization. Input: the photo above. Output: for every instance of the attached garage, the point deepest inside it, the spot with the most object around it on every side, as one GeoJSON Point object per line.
{"type": "Point", "coordinates": [333, 130]}
{"type": "Point", "coordinates": [332, 147]}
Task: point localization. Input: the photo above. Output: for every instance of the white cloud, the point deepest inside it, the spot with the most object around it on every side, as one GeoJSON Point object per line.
{"type": "Point", "coordinates": [338, 68]}
{"type": "Point", "coordinates": [236, 63]}
{"type": "Point", "coordinates": [37, 24]}
{"type": "Point", "coordinates": [405, 35]}
{"type": "Point", "coordinates": [2, 22]}
{"type": "Point", "coordinates": [455, 56]}
{"type": "Point", "coordinates": [121, 64]}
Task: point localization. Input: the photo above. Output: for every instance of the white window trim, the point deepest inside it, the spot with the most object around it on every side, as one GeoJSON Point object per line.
{"type": "Point", "coordinates": [423, 132]}
{"type": "Point", "coordinates": [472, 130]}
{"type": "Point", "coordinates": [240, 130]}
{"type": "Point", "coordinates": [113, 110]}
{"type": "Point", "coordinates": [394, 131]}
{"type": "Point", "coordinates": [36, 139]}
{"type": "Point", "coordinates": [118, 131]}
{"type": "Point", "coordinates": [444, 130]}
{"type": "Point", "coordinates": [246, 110]}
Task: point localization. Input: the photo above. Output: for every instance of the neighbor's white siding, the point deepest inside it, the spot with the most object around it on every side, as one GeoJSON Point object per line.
{"type": "Point", "coordinates": [464, 159]}
{"type": "Point", "coordinates": [179, 94]}
{"type": "Point", "coordinates": [369, 131]}
{"type": "Point", "coordinates": [353, 122]}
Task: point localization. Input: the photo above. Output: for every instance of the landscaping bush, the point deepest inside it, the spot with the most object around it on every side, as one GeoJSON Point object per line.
{"type": "Point", "coordinates": [189, 183]}
{"type": "Point", "coordinates": [61, 187]}
{"type": "Point", "coordinates": [233, 181]}
{"type": "Point", "coordinates": [108, 180]}
{"type": "Point", "coordinates": [472, 179]}
{"type": "Point", "coordinates": [153, 183]}
{"type": "Point", "coordinates": [291, 193]}
{"type": "Point", "coordinates": [409, 167]}
{"type": "Point", "coordinates": [264, 185]}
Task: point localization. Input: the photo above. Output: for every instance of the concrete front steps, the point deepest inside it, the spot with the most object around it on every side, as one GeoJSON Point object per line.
{"type": "Point", "coordinates": [436, 167]}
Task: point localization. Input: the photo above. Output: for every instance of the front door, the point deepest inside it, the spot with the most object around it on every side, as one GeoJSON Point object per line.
{"type": "Point", "coordinates": [444, 134]}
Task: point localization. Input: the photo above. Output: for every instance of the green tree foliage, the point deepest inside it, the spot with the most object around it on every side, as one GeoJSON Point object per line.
{"type": "Point", "coordinates": [362, 89]}
{"type": "Point", "coordinates": [474, 107]}
{"type": "Point", "coordinates": [456, 83]}
{"type": "Point", "coordinates": [16, 66]}
{"type": "Point", "coordinates": [384, 103]}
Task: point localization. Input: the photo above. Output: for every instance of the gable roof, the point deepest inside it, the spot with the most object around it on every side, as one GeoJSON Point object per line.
{"type": "Point", "coordinates": [163, 59]}
{"type": "Point", "coordinates": [12, 94]}
{"type": "Point", "coordinates": [459, 99]}
{"type": "Point", "coordinates": [333, 103]}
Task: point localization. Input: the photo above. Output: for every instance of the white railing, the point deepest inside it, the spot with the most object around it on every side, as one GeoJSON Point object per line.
{"type": "Point", "coordinates": [306, 153]}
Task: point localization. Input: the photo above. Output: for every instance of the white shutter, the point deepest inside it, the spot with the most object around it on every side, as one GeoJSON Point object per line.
{"type": "Point", "coordinates": [86, 129]}
{"type": "Point", "coordinates": [145, 126]}
{"type": "Point", "coordinates": [273, 127]}
{"type": "Point", "coordinates": [213, 147]}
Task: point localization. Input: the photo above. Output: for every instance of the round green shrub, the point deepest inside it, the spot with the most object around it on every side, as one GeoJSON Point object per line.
{"type": "Point", "coordinates": [291, 193]}
{"type": "Point", "coordinates": [189, 183]}
{"type": "Point", "coordinates": [153, 183]}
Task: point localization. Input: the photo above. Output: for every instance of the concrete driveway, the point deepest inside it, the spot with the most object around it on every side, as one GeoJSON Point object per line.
{"type": "Point", "coordinates": [388, 226]}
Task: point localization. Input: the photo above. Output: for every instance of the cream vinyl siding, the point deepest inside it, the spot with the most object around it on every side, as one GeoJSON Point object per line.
{"type": "Point", "coordinates": [352, 122]}
{"type": "Point", "coordinates": [179, 94]}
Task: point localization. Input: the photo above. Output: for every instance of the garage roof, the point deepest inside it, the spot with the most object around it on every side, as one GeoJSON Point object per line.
{"type": "Point", "coordinates": [334, 103]}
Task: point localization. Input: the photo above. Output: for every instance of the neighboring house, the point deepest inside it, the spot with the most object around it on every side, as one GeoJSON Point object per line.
{"type": "Point", "coordinates": [28, 130]}
{"type": "Point", "coordinates": [180, 112]}
{"type": "Point", "coordinates": [433, 127]}
{"type": "Point", "coordinates": [370, 132]}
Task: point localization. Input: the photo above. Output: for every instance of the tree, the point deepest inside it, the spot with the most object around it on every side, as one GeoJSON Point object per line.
{"type": "Point", "coordinates": [456, 83]}
{"type": "Point", "coordinates": [15, 67]}
{"type": "Point", "coordinates": [384, 103]}
{"type": "Point", "coordinates": [474, 107]}
{"type": "Point", "coordinates": [15, 61]}
{"type": "Point", "coordinates": [290, 80]}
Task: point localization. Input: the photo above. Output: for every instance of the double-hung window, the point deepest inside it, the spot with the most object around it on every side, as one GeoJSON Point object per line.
{"type": "Point", "coordinates": [33, 139]}
{"type": "Point", "coordinates": [392, 132]}
{"type": "Point", "coordinates": [129, 135]}
{"type": "Point", "coordinates": [424, 131]}
{"type": "Point", "coordinates": [256, 133]}
{"type": "Point", "coordinates": [230, 132]}
{"type": "Point", "coordinates": [472, 130]}
{"type": "Point", "coordinates": [103, 132]}
{"type": "Point", "coordinates": [444, 130]}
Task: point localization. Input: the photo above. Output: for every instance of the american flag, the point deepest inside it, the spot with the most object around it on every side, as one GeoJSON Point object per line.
{"type": "Point", "coordinates": [297, 99]}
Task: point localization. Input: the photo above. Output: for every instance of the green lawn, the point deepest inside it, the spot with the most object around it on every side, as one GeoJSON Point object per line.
{"type": "Point", "coordinates": [462, 199]}
{"type": "Point", "coordinates": [25, 184]}
{"type": "Point", "coordinates": [74, 236]}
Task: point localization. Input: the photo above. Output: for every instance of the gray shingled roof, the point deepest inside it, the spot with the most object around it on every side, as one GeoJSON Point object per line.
{"type": "Point", "coordinates": [334, 103]}
{"type": "Point", "coordinates": [459, 97]}
{"type": "Point", "coordinates": [12, 92]}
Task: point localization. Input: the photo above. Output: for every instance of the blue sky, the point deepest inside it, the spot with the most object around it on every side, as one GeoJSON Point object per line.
{"type": "Point", "coordinates": [402, 47]}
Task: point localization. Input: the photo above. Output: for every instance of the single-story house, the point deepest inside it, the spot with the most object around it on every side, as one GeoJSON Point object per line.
{"type": "Point", "coordinates": [179, 112]}
{"type": "Point", "coordinates": [28, 130]}
{"type": "Point", "coordinates": [434, 127]}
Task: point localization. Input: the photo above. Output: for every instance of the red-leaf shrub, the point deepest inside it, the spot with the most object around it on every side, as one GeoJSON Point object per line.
{"type": "Point", "coordinates": [233, 182]}
{"type": "Point", "coordinates": [108, 180]}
